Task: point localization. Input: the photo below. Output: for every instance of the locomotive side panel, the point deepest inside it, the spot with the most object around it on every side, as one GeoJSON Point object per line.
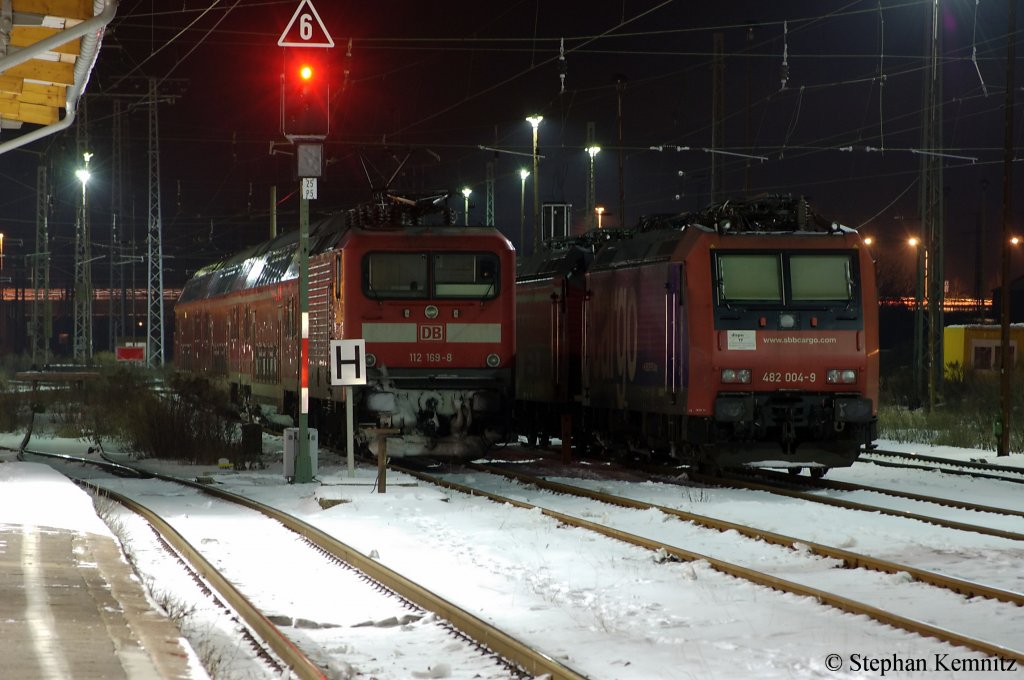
{"type": "Point", "coordinates": [631, 340]}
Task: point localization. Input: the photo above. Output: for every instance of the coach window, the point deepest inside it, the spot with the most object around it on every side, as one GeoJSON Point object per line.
{"type": "Point", "coordinates": [819, 277]}
{"type": "Point", "coordinates": [465, 275]}
{"type": "Point", "coordinates": [749, 277]}
{"type": "Point", "coordinates": [395, 275]}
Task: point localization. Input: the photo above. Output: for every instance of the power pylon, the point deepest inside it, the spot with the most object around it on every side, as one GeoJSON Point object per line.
{"type": "Point", "coordinates": [41, 326]}
{"type": "Point", "coordinates": [154, 243]}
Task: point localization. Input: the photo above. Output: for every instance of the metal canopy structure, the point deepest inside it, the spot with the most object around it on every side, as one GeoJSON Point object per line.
{"type": "Point", "coordinates": [47, 51]}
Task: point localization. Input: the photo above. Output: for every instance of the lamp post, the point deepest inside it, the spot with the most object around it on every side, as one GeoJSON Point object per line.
{"type": "Point", "coordinates": [82, 344]}
{"type": "Point", "coordinates": [523, 174]}
{"type": "Point", "coordinates": [466, 191]}
{"type": "Point", "coordinates": [591, 188]}
{"type": "Point", "coordinates": [600, 211]}
{"type": "Point", "coordinates": [534, 122]}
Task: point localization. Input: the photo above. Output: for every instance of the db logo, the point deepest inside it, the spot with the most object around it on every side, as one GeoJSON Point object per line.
{"type": "Point", "coordinates": [432, 332]}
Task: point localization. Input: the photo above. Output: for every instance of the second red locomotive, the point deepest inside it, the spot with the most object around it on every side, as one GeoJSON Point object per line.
{"type": "Point", "coordinates": [744, 335]}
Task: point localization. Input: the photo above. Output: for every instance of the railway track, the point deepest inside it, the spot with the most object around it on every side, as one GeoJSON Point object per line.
{"type": "Point", "coordinates": [981, 470]}
{"type": "Point", "coordinates": [281, 638]}
{"type": "Point", "coordinates": [784, 487]}
{"type": "Point", "coordinates": [992, 601]}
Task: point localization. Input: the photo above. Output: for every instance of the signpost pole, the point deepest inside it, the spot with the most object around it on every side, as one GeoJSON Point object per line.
{"type": "Point", "coordinates": [350, 432]}
{"type": "Point", "coordinates": [301, 90]}
{"type": "Point", "coordinates": [303, 464]}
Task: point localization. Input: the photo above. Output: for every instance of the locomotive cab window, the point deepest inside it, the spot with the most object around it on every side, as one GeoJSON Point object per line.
{"type": "Point", "coordinates": [820, 277]}
{"type": "Point", "coordinates": [395, 275]}
{"type": "Point", "coordinates": [434, 275]}
{"type": "Point", "coordinates": [465, 275]}
{"type": "Point", "coordinates": [750, 278]}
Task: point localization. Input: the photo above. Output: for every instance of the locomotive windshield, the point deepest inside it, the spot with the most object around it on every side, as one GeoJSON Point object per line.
{"type": "Point", "coordinates": [750, 277]}
{"type": "Point", "coordinates": [820, 277]}
{"type": "Point", "coordinates": [449, 275]}
{"type": "Point", "coordinates": [759, 278]}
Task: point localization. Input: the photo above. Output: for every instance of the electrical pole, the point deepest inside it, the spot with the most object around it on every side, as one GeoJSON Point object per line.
{"type": "Point", "coordinates": [932, 206]}
{"type": "Point", "coordinates": [620, 85]}
{"type": "Point", "coordinates": [82, 346]}
{"type": "Point", "coordinates": [154, 243]}
{"type": "Point", "coordinates": [41, 327]}
{"type": "Point", "coordinates": [717, 114]}
{"type": "Point", "coordinates": [115, 309]}
{"type": "Point", "coordinates": [1005, 364]}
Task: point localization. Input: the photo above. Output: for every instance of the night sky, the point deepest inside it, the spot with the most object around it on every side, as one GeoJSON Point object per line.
{"type": "Point", "coordinates": [436, 81]}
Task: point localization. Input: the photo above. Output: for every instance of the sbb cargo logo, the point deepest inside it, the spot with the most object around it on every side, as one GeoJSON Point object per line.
{"type": "Point", "coordinates": [431, 332]}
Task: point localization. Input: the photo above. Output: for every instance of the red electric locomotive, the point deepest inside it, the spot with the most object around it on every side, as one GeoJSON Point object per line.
{"type": "Point", "coordinates": [743, 335]}
{"type": "Point", "coordinates": [433, 302]}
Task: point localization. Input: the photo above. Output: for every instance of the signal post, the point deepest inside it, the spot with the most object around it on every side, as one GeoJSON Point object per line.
{"type": "Point", "coordinates": [305, 121]}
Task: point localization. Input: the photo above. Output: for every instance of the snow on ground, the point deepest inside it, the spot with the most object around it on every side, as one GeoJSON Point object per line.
{"type": "Point", "coordinates": [611, 610]}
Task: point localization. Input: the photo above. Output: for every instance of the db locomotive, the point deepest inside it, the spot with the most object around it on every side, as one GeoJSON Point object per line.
{"type": "Point", "coordinates": [434, 303]}
{"type": "Point", "coordinates": [744, 335]}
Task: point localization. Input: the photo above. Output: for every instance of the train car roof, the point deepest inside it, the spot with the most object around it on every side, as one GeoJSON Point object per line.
{"type": "Point", "coordinates": [263, 264]}
{"type": "Point", "coordinates": [277, 260]}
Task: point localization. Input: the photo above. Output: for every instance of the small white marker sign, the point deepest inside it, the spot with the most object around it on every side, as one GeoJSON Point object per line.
{"type": "Point", "coordinates": [348, 362]}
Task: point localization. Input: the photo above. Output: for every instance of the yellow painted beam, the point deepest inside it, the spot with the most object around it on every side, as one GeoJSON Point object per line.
{"type": "Point", "coordinates": [41, 115]}
{"type": "Point", "coordinates": [46, 95]}
{"type": "Point", "coordinates": [11, 84]}
{"type": "Point", "coordinates": [12, 109]}
{"type": "Point", "coordinates": [44, 71]}
{"type": "Point", "coordinates": [71, 9]}
{"type": "Point", "coordinates": [26, 36]}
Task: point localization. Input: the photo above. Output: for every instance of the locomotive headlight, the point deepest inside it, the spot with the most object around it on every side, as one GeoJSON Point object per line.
{"type": "Point", "coordinates": [493, 360]}
{"type": "Point", "coordinates": [371, 360]}
{"type": "Point", "coordinates": [736, 375]}
{"type": "Point", "coordinates": [836, 376]}
{"type": "Point", "coordinates": [787, 320]}
{"type": "Point", "coordinates": [430, 311]}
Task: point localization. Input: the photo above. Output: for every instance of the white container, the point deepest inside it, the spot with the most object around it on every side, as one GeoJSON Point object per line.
{"type": "Point", "coordinates": [291, 449]}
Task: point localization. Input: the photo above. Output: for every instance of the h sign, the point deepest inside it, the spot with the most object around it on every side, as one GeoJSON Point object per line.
{"type": "Point", "coordinates": [348, 362]}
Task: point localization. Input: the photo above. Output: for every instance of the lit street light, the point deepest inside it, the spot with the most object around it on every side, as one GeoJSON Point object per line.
{"type": "Point", "coordinates": [523, 174]}
{"type": "Point", "coordinates": [466, 191]}
{"type": "Point", "coordinates": [600, 211]}
{"type": "Point", "coordinates": [534, 121]}
{"type": "Point", "coordinates": [1, 252]}
{"type": "Point", "coordinates": [591, 187]}
{"type": "Point", "coordinates": [82, 344]}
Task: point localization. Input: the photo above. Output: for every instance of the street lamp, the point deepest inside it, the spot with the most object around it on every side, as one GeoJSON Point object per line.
{"type": "Point", "coordinates": [1, 252]}
{"type": "Point", "coordinates": [534, 122]}
{"type": "Point", "coordinates": [591, 188]}
{"type": "Point", "coordinates": [466, 191]}
{"type": "Point", "coordinates": [600, 211]}
{"type": "Point", "coordinates": [82, 344]}
{"type": "Point", "coordinates": [523, 174]}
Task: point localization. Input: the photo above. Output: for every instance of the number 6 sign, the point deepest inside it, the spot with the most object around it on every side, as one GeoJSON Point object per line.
{"type": "Point", "coordinates": [305, 29]}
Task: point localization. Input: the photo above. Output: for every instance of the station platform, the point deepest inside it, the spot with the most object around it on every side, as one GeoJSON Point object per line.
{"type": "Point", "coordinates": [70, 605]}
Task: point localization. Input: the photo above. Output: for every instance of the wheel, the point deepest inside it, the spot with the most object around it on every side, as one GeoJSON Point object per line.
{"type": "Point", "coordinates": [818, 472]}
{"type": "Point", "coordinates": [795, 471]}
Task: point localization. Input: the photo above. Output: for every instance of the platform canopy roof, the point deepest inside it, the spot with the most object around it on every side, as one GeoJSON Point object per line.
{"type": "Point", "coordinates": [47, 52]}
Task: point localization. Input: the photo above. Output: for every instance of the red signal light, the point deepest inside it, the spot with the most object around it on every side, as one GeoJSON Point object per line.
{"type": "Point", "coordinates": [305, 95]}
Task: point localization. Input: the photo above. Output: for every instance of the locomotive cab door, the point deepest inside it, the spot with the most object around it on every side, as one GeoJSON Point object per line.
{"type": "Point", "coordinates": [674, 320]}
